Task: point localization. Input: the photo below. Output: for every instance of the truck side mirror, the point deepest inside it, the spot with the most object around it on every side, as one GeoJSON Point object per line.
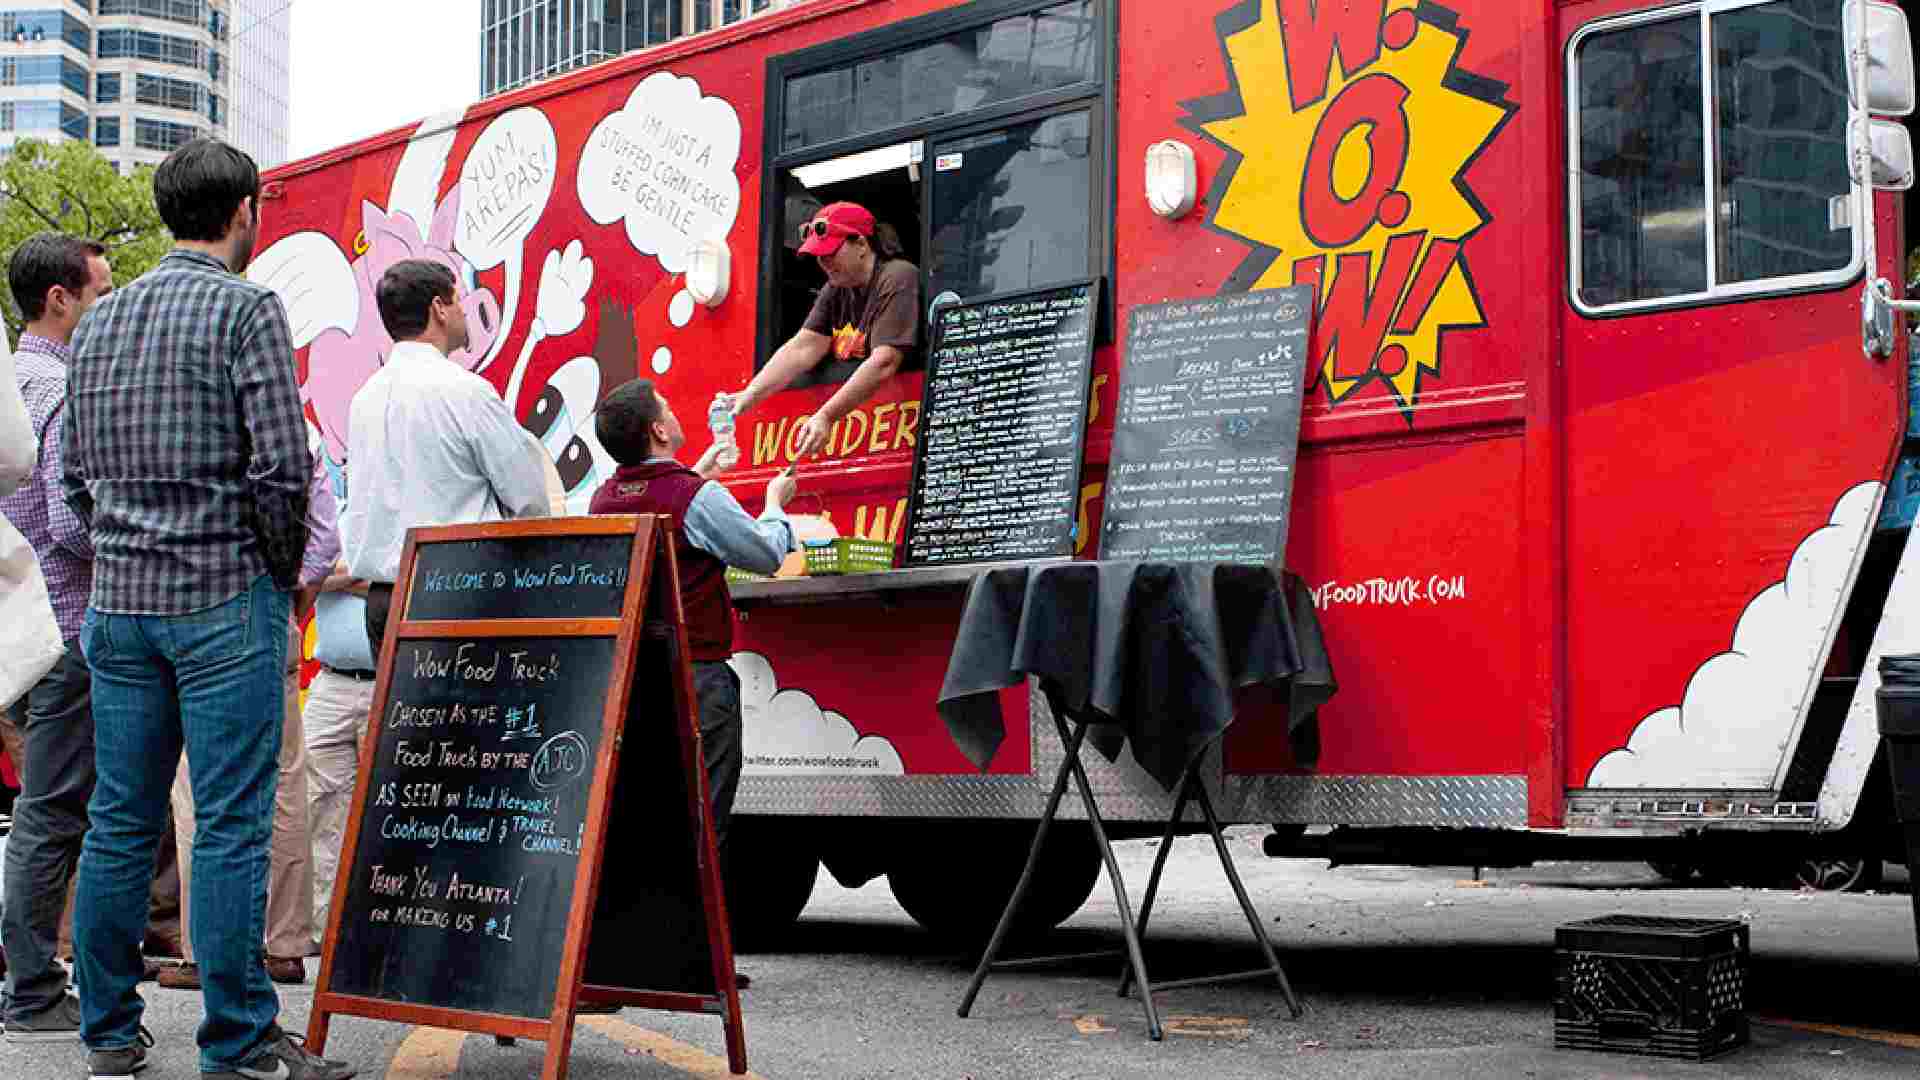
{"type": "Point", "coordinates": [1887, 151]}
{"type": "Point", "coordinates": [1890, 89]}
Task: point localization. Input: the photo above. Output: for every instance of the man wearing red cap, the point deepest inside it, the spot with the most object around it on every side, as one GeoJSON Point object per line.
{"type": "Point", "coordinates": [869, 313]}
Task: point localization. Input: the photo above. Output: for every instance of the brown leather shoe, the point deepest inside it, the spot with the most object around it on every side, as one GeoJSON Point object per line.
{"type": "Point", "coordinates": [162, 944]}
{"type": "Point", "coordinates": [179, 977]}
{"type": "Point", "coordinates": [286, 969]}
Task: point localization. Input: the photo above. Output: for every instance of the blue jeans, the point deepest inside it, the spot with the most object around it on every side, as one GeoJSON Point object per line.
{"type": "Point", "coordinates": [208, 682]}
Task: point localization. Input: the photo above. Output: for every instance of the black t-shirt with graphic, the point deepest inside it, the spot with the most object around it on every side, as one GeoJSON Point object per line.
{"type": "Point", "coordinates": [885, 312]}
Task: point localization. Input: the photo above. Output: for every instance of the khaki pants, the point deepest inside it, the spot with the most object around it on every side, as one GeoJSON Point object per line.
{"type": "Point", "coordinates": [335, 720]}
{"type": "Point", "coordinates": [290, 867]}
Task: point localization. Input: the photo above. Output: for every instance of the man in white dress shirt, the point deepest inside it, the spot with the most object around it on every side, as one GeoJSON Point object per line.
{"type": "Point", "coordinates": [428, 442]}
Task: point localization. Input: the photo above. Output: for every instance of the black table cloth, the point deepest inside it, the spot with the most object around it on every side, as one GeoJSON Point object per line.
{"type": "Point", "coordinates": [1150, 653]}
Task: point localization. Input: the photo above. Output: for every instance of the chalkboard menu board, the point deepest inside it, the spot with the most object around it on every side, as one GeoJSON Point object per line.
{"type": "Point", "coordinates": [653, 899]}
{"type": "Point", "coordinates": [474, 891]}
{"type": "Point", "coordinates": [476, 808]}
{"type": "Point", "coordinates": [533, 577]}
{"type": "Point", "coordinates": [1003, 417]}
{"type": "Point", "coordinates": [1208, 428]}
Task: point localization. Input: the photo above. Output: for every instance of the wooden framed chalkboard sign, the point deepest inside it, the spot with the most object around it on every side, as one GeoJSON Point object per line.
{"type": "Point", "coordinates": [996, 474]}
{"type": "Point", "coordinates": [533, 709]}
{"type": "Point", "coordinates": [1208, 428]}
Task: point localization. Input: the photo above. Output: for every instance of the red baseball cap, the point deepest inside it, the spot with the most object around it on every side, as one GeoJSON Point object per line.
{"type": "Point", "coordinates": [831, 227]}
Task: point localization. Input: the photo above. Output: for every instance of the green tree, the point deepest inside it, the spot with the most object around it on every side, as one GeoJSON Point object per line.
{"type": "Point", "coordinates": [68, 187]}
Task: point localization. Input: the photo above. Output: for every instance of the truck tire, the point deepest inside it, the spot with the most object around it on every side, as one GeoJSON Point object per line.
{"type": "Point", "coordinates": [770, 874]}
{"type": "Point", "coordinates": [1839, 873]}
{"type": "Point", "coordinates": [957, 891]}
{"type": "Point", "coordinates": [1675, 870]}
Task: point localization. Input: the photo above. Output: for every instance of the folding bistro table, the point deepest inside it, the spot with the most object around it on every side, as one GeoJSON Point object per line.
{"type": "Point", "coordinates": [1140, 653]}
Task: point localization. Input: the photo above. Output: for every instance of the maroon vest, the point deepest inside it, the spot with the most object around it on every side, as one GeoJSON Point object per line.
{"type": "Point", "coordinates": [668, 487]}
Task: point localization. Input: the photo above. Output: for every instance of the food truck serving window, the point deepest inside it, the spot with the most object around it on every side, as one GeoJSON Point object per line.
{"type": "Point", "coordinates": [1708, 145]}
{"type": "Point", "coordinates": [978, 134]}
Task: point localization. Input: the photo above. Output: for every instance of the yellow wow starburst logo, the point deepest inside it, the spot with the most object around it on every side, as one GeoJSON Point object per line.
{"type": "Point", "coordinates": [1349, 127]}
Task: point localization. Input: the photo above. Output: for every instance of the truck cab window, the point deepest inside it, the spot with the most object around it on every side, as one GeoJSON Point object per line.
{"type": "Point", "coordinates": [976, 133]}
{"type": "Point", "coordinates": [1685, 191]}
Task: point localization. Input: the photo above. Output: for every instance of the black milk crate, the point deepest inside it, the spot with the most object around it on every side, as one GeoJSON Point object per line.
{"type": "Point", "coordinates": [1641, 984]}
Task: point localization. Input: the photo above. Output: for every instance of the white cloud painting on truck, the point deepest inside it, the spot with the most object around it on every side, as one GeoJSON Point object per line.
{"type": "Point", "coordinates": [1734, 724]}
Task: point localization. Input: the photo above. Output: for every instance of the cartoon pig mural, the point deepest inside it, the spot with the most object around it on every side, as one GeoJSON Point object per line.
{"type": "Point", "coordinates": [341, 360]}
{"type": "Point", "coordinates": [486, 221]}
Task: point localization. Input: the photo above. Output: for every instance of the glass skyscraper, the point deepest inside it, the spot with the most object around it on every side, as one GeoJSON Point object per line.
{"type": "Point", "coordinates": [523, 41]}
{"type": "Point", "coordinates": [260, 86]}
{"type": "Point", "coordinates": [140, 77]}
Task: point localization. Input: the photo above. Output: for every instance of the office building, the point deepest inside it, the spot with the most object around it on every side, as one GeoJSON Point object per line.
{"type": "Point", "coordinates": [523, 41]}
{"type": "Point", "coordinates": [140, 77]}
{"type": "Point", "coordinates": [260, 85]}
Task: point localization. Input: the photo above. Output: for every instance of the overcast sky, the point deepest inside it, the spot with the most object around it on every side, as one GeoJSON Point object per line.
{"type": "Point", "coordinates": [365, 66]}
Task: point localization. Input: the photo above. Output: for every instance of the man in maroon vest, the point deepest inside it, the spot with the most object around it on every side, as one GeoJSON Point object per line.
{"type": "Point", "coordinates": [637, 428]}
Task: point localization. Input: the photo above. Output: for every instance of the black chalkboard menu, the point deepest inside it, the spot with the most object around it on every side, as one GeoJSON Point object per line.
{"type": "Point", "coordinates": [1208, 428]}
{"type": "Point", "coordinates": [476, 807]}
{"type": "Point", "coordinates": [655, 900]}
{"type": "Point", "coordinates": [996, 474]}
{"type": "Point", "coordinates": [474, 891]}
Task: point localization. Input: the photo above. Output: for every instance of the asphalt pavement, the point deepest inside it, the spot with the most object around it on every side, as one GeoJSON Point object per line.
{"type": "Point", "coordinates": [1404, 972]}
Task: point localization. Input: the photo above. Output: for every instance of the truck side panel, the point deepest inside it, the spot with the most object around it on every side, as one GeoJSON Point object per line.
{"type": "Point", "coordinates": [1527, 552]}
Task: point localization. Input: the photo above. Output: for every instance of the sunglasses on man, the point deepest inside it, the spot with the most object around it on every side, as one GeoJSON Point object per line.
{"type": "Point", "coordinates": [811, 229]}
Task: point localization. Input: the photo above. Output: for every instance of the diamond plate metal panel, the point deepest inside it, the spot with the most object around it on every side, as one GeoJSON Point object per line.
{"type": "Point", "coordinates": [1486, 801]}
{"type": "Point", "coordinates": [1127, 793]}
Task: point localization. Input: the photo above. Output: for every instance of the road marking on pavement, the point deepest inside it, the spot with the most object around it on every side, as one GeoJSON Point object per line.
{"type": "Point", "coordinates": [688, 1059]}
{"type": "Point", "coordinates": [1890, 1038]}
{"type": "Point", "coordinates": [1091, 1025]}
{"type": "Point", "coordinates": [427, 1054]}
{"type": "Point", "coordinates": [1212, 1027]}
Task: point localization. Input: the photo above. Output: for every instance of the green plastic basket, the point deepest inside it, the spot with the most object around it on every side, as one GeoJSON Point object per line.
{"type": "Point", "coordinates": [848, 555]}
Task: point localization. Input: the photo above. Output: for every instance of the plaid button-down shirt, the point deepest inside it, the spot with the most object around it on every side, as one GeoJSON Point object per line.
{"type": "Point", "coordinates": [185, 450]}
{"type": "Point", "coordinates": [39, 509]}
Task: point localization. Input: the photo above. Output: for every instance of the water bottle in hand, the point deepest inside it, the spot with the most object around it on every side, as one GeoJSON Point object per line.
{"type": "Point", "coordinates": [720, 423]}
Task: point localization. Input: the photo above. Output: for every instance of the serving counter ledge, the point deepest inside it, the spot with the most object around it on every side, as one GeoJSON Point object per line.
{"type": "Point", "coordinates": [885, 587]}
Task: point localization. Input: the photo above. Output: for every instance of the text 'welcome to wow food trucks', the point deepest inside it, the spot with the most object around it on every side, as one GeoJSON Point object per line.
{"type": "Point", "coordinates": [1594, 448]}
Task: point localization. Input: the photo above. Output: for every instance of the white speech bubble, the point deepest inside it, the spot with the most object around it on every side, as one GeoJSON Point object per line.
{"type": "Point", "coordinates": [505, 183]}
{"type": "Point", "coordinates": [664, 163]}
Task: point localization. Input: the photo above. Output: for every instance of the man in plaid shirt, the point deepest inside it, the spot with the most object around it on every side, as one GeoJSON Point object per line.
{"type": "Point", "coordinates": [186, 454]}
{"type": "Point", "coordinates": [54, 279]}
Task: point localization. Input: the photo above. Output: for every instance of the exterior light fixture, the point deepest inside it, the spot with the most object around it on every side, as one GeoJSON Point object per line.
{"type": "Point", "coordinates": [709, 271]}
{"type": "Point", "coordinates": [1171, 180]}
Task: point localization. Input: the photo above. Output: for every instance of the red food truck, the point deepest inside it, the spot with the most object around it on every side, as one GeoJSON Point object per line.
{"type": "Point", "coordinates": [1606, 398]}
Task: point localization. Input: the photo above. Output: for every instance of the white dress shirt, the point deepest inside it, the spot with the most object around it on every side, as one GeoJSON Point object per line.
{"type": "Point", "coordinates": [430, 443]}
